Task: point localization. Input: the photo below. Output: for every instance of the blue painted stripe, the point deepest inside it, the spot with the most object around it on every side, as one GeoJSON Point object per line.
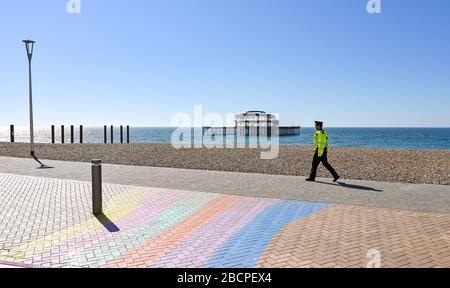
{"type": "Point", "coordinates": [246, 247]}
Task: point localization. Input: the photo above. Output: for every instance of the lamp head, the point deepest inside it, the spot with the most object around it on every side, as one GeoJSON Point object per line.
{"type": "Point", "coordinates": [29, 44]}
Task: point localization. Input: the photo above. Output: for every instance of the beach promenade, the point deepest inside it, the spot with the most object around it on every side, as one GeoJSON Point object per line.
{"type": "Point", "coordinates": [166, 217]}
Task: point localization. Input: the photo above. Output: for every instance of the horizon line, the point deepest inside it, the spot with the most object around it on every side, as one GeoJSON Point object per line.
{"type": "Point", "coordinates": [174, 127]}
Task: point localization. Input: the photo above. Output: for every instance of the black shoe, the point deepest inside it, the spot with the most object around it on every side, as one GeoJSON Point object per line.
{"type": "Point", "coordinates": [310, 180]}
{"type": "Point", "coordinates": [336, 179]}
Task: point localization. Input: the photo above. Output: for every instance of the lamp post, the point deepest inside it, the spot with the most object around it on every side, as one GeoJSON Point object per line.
{"type": "Point", "coordinates": [29, 45]}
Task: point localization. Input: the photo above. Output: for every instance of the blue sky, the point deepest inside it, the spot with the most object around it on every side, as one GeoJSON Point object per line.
{"type": "Point", "coordinates": [138, 62]}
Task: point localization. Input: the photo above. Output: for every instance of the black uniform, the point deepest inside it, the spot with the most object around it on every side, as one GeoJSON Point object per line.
{"type": "Point", "coordinates": [315, 165]}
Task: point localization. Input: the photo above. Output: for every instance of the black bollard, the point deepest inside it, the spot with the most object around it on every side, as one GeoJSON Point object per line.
{"type": "Point", "coordinates": [128, 134]}
{"type": "Point", "coordinates": [11, 133]}
{"type": "Point", "coordinates": [62, 134]}
{"type": "Point", "coordinates": [97, 187]}
{"type": "Point", "coordinates": [112, 134]}
{"type": "Point", "coordinates": [121, 134]}
{"type": "Point", "coordinates": [105, 134]}
{"type": "Point", "coordinates": [81, 134]}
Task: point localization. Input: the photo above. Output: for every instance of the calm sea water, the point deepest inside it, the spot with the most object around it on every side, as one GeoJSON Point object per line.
{"type": "Point", "coordinates": [415, 138]}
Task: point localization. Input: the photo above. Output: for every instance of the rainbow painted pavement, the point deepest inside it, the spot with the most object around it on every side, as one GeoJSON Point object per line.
{"type": "Point", "coordinates": [48, 223]}
{"type": "Point", "coordinates": [153, 227]}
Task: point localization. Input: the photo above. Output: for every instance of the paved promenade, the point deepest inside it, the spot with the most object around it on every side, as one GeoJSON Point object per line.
{"type": "Point", "coordinates": [46, 221]}
{"type": "Point", "coordinates": [417, 197]}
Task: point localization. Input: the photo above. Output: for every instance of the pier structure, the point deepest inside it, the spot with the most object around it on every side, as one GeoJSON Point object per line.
{"type": "Point", "coordinates": [255, 123]}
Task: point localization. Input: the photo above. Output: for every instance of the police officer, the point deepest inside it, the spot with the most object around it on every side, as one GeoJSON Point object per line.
{"type": "Point", "coordinates": [320, 153]}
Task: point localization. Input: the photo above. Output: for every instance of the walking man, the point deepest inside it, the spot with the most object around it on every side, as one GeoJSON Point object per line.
{"type": "Point", "coordinates": [321, 150]}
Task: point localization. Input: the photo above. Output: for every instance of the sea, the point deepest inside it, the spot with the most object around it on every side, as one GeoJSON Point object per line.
{"type": "Point", "coordinates": [399, 138]}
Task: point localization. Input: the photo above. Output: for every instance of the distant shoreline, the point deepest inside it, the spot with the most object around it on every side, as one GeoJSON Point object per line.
{"type": "Point", "coordinates": [309, 127]}
{"type": "Point", "coordinates": [281, 146]}
{"type": "Point", "coordinates": [375, 164]}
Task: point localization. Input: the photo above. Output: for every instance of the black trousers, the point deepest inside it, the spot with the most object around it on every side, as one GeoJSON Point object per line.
{"type": "Point", "coordinates": [324, 160]}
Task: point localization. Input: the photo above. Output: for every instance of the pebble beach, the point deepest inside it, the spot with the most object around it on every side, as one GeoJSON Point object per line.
{"type": "Point", "coordinates": [386, 165]}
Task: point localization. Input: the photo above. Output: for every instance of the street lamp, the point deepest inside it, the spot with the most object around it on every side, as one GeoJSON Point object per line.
{"type": "Point", "coordinates": [29, 45]}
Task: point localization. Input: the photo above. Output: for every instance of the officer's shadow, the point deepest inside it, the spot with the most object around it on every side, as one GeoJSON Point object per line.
{"type": "Point", "coordinates": [351, 186]}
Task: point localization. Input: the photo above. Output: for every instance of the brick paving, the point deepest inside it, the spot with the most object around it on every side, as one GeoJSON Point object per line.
{"type": "Point", "coordinates": [48, 223]}
{"type": "Point", "coordinates": [341, 236]}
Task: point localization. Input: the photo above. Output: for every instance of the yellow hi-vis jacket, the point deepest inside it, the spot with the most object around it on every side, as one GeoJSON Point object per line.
{"type": "Point", "coordinates": [321, 142]}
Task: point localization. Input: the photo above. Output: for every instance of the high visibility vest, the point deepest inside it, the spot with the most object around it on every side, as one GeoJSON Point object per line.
{"type": "Point", "coordinates": [320, 141]}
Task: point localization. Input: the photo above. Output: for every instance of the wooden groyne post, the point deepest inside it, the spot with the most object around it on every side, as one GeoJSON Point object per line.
{"type": "Point", "coordinates": [53, 134]}
{"type": "Point", "coordinates": [112, 134]}
{"type": "Point", "coordinates": [11, 133]}
{"type": "Point", "coordinates": [72, 134]}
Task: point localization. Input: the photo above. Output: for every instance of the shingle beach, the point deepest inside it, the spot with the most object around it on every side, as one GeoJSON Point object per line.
{"type": "Point", "coordinates": [387, 165]}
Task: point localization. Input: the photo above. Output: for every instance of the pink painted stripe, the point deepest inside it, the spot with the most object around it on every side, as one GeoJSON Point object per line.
{"type": "Point", "coordinates": [206, 241]}
{"type": "Point", "coordinates": [13, 265]}
{"type": "Point", "coordinates": [145, 254]}
{"type": "Point", "coordinates": [151, 207]}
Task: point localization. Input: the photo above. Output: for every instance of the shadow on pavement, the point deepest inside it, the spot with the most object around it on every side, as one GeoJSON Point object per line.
{"type": "Point", "coordinates": [109, 225]}
{"type": "Point", "coordinates": [351, 186]}
{"type": "Point", "coordinates": [45, 167]}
